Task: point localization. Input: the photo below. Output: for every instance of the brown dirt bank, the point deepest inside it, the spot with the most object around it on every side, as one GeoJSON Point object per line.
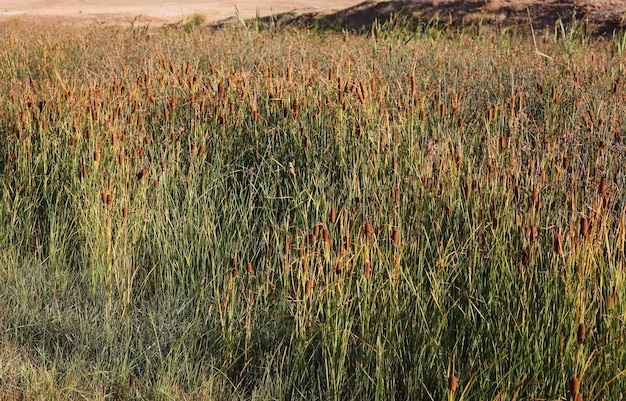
{"type": "Point", "coordinates": [602, 16]}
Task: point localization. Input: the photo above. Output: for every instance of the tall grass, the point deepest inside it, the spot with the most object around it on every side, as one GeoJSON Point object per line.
{"type": "Point", "coordinates": [283, 214]}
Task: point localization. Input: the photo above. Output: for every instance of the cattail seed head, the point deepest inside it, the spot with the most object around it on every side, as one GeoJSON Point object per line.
{"type": "Point", "coordinates": [574, 386]}
{"type": "Point", "coordinates": [525, 257]}
{"type": "Point", "coordinates": [142, 174]}
{"type": "Point", "coordinates": [125, 212]}
{"type": "Point", "coordinates": [580, 335]}
{"type": "Point", "coordinates": [584, 227]}
{"type": "Point", "coordinates": [333, 215]}
{"type": "Point", "coordinates": [233, 262]}
{"type": "Point", "coordinates": [452, 383]}
{"type": "Point", "coordinates": [396, 194]}
{"type": "Point", "coordinates": [249, 267]}
{"type": "Point", "coordinates": [287, 245]}
{"type": "Point", "coordinates": [339, 266]}
{"type": "Point", "coordinates": [109, 199]}
{"type": "Point", "coordinates": [308, 287]}
{"type": "Point", "coordinates": [326, 235]}
{"type": "Point", "coordinates": [558, 244]}
{"type": "Point", "coordinates": [395, 236]}
{"type": "Point", "coordinates": [368, 270]}
{"type": "Point", "coordinates": [316, 229]}
{"type": "Point", "coordinates": [368, 229]}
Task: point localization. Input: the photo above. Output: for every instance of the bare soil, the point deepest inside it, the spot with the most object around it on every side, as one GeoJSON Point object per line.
{"type": "Point", "coordinates": [603, 16]}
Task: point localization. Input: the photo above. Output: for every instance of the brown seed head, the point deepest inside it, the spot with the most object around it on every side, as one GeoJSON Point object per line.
{"type": "Point", "coordinates": [142, 174]}
{"type": "Point", "coordinates": [580, 335]}
{"type": "Point", "coordinates": [368, 229]}
{"type": "Point", "coordinates": [308, 287]}
{"type": "Point", "coordinates": [452, 383]}
{"type": "Point", "coordinates": [333, 215]}
{"type": "Point", "coordinates": [584, 227]}
{"type": "Point", "coordinates": [287, 245]}
{"type": "Point", "coordinates": [316, 229]}
{"type": "Point", "coordinates": [368, 270]}
{"type": "Point", "coordinates": [558, 244]}
{"type": "Point", "coordinates": [525, 257]}
{"type": "Point", "coordinates": [395, 236]}
{"type": "Point", "coordinates": [574, 386]}
{"type": "Point", "coordinates": [249, 267]}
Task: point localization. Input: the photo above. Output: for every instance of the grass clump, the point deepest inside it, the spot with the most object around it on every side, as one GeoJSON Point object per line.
{"type": "Point", "coordinates": [293, 214]}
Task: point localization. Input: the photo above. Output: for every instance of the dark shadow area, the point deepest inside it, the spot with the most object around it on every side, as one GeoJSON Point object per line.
{"type": "Point", "coordinates": [488, 13]}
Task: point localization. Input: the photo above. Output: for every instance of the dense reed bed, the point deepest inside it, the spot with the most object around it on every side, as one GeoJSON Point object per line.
{"type": "Point", "coordinates": [409, 213]}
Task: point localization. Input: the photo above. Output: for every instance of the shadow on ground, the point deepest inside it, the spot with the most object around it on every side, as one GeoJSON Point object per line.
{"type": "Point", "coordinates": [543, 14]}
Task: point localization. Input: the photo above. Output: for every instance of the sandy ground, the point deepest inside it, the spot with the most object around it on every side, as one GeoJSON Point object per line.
{"type": "Point", "coordinates": [606, 16]}
{"type": "Point", "coordinates": [159, 11]}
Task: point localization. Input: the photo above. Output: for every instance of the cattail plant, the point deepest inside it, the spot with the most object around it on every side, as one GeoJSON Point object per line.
{"type": "Point", "coordinates": [326, 235]}
{"type": "Point", "coordinates": [395, 236]}
{"type": "Point", "coordinates": [287, 245]}
{"type": "Point", "coordinates": [233, 265]}
{"type": "Point", "coordinates": [574, 386]}
{"type": "Point", "coordinates": [584, 227]}
{"type": "Point", "coordinates": [580, 334]}
{"type": "Point", "coordinates": [452, 383]}
{"type": "Point", "coordinates": [333, 215]}
{"type": "Point", "coordinates": [602, 187]}
{"type": "Point", "coordinates": [558, 243]}
{"type": "Point", "coordinates": [339, 266]}
{"type": "Point", "coordinates": [525, 257]}
{"type": "Point", "coordinates": [367, 230]}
